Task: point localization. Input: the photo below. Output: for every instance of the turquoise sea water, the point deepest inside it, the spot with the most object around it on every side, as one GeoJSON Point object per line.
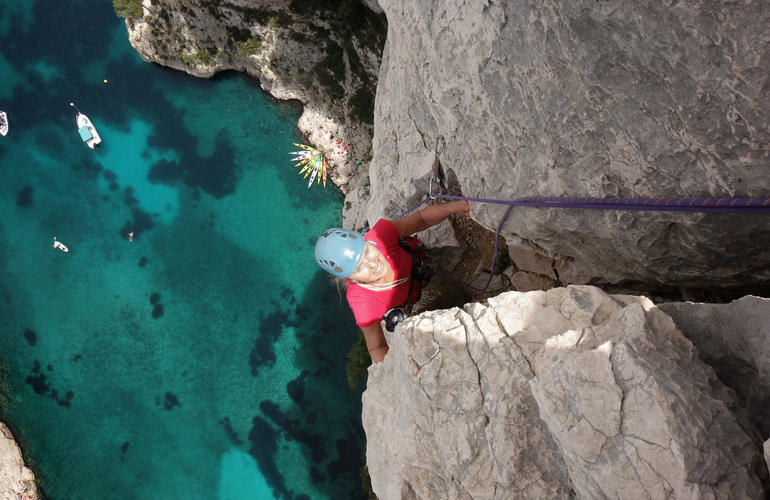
{"type": "Point", "coordinates": [205, 359]}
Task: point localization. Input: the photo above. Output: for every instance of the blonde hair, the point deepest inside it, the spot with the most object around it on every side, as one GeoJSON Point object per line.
{"type": "Point", "coordinates": [342, 285]}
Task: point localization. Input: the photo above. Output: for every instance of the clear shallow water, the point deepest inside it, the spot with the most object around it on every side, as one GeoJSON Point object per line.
{"type": "Point", "coordinates": [205, 359]}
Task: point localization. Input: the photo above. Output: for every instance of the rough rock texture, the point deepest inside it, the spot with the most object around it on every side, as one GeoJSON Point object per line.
{"type": "Point", "coordinates": [735, 340]}
{"type": "Point", "coordinates": [586, 98]}
{"type": "Point", "coordinates": [549, 395]}
{"type": "Point", "coordinates": [16, 480]}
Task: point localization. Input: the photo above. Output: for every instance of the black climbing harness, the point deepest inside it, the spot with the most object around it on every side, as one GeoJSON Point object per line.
{"type": "Point", "coordinates": [421, 273]}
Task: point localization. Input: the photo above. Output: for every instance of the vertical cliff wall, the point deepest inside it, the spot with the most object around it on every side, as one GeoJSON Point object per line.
{"type": "Point", "coordinates": [586, 98]}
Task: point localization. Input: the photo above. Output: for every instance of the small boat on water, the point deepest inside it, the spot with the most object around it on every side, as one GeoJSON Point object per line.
{"type": "Point", "coordinates": [3, 123]}
{"type": "Point", "coordinates": [61, 246]}
{"type": "Point", "coordinates": [87, 131]}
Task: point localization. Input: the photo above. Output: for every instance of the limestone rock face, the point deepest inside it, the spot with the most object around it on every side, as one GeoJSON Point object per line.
{"type": "Point", "coordinates": [16, 480]}
{"type": "Point", "coordinates": [569, 392]}
{"type": "Point", "coordinates": [586, 98]}
{"type": "Point", "coordinates": [735, 340]}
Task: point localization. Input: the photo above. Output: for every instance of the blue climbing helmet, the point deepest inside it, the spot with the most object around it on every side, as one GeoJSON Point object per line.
{"type": "Point", "coordinates": [338, 251]}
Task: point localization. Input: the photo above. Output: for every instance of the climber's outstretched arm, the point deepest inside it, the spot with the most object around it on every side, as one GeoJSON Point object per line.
{"type": "Point", "coordinates": [430, 216]}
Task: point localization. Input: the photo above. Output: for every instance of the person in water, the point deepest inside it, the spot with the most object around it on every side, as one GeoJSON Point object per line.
{"type": "Point", "coordinates": [376, 269]}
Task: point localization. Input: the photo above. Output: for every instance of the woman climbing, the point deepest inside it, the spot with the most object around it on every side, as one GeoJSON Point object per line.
{"type": "Point", "coordinates": [376, 269]}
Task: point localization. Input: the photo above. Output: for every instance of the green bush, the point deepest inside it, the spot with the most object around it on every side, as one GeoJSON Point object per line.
{"type": "Point", "coordinates": [250, 47]}
{"type": "Point", "coordinates": [128, 8]}
{"type": "Point", "coordinates": [358, 361]}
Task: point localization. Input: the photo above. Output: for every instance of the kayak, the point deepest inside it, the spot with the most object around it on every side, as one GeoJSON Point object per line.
{"type": "Point", "coordinates": [3, 123]}
{"type": "Point", "coordinates": [313, 175]}
{"type": "Point", "coordinates": [324, 171]}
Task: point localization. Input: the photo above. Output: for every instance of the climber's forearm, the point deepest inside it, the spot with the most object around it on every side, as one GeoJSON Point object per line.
{"type": "Point", "coordinates": [434, 214]}
{"type": "Point", "coordinates": [429, 217]}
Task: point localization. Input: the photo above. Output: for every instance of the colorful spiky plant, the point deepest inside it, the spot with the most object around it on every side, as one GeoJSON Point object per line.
{"type": "Point", "coordinates": [312, 161]}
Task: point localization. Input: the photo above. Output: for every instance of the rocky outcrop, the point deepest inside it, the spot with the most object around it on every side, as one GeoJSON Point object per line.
{"type": "Point", "coordinates": [585, 98]}
{"type": "Point", "coordinates": [16, 480]}
{"type": "Point", "coordinates": [735, 340]}
{"type": "Point", "coordinates": [569, 392]}
{"type": "Point", "coordinates": [297, 53]}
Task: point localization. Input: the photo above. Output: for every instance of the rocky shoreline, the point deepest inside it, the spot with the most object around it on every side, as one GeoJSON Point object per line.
{"type": "Point", "coordinates": [332, 74]}
{"type": "Point", "coordinates": [17, 481]}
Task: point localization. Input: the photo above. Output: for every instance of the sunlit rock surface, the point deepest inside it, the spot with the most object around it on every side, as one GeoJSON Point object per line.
{"type": "Point", "coordinates": [552, 394]}
{"type": "Point", "coordinates": [16, 480]}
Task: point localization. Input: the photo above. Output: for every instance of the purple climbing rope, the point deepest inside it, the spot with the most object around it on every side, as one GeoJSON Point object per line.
{"type": "Point", "coordinates": [703, 205]}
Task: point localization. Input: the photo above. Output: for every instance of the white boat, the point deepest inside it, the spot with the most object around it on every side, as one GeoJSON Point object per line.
{"type": "Point", "coordinates": [87, 131]}
{"type": "Point", "coordinates": [3, 123]}
{"type": "Point", "coordinates": [61, 246]}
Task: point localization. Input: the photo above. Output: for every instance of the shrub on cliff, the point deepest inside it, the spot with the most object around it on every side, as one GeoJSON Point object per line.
{"type": "Point", "coordinates": [128, 8]}
{"type": "Point", "coordinates": [358, 361]}
{"type": "Point", "coordinates": [250, 47]}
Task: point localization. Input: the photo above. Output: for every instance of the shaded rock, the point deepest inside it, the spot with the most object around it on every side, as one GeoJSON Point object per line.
{"type": "Point", "coordinates": [526, 282]}
{"type": "Point", "coordinates": [734, 339]}
{"type": "Point", "coordinates": [530, 261]}
{"type": "Point", "coordinates": [539, 394]}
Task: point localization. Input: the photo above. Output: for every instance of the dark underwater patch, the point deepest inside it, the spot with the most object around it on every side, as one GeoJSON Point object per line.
{"type": "Point", "coordinates": [218, 175]}
{"type": "Point", "coordinates": [263, 448]}
{"type": "Point", "coordinates": [91, 169]}
{"type": "Point", "coordinates": [296, 388]}
{"type": "Point", "coordinates": [128, 197]}
{"type": "Point", "coordinates": [294, 430]}
{"type": "Point", "coordinates": [24, 198]}
{"type": "Point", "coordinates": [30, 335]}
{"type": "Point", "coordinates": [270, 329]}
{"type": "Point", "coordinates": [154, 298]}
{"type": "Point", "coordinates": [42, 387]}
{"type": "Point", "coordinates": [38, 383]}
{"type": "Point", "coordinates": [348, 462]}
{"type": "Point", "coordinates": [157, 311]}
{"type": "Point", "coordinates": [66, 402]}
{"type": "Point", "coordinates": [170, 401]}
{"type": "Point", "coordinates": [228, 426]}
{"type": "Point", "coordinates": [123, 450]}
{"type": "Point", "coordinates": [142, 261]}
{"type": "Point", "coordinates": [142, 221]}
